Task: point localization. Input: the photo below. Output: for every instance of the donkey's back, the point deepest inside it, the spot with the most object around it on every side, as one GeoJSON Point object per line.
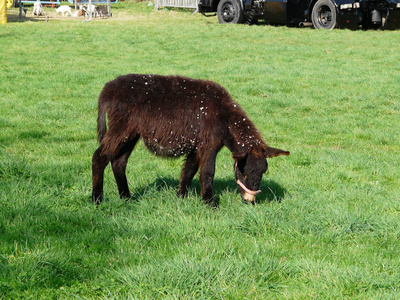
{"type": "Point", "coordinates": [172, 114]}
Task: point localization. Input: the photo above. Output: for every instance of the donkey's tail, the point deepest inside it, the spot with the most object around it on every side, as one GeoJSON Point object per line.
{"type": "Point", "coordinates": [101, 122]}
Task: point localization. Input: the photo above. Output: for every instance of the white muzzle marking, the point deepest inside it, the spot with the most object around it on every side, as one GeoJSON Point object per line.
{"type": "Point", "coordinates": [249, 195]}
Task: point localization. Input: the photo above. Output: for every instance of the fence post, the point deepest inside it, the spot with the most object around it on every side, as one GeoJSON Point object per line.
{"type": "Point", "coordinates": [20, 9]}
{"type": "Point", "coordinates": [90, 10]}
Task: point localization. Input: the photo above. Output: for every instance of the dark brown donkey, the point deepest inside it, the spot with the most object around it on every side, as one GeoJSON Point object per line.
{"type": "Point", "coordinates": [177, 116]}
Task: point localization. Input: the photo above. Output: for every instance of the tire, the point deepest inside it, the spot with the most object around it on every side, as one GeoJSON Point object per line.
{"type": "Point", "coordinates": [229, 11]}
{"type": "Point", "coordinates": [324, 15]}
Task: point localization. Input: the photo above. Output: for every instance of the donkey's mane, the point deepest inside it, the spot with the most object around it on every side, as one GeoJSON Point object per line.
{"type": "Point", "coordinates": [245, 135]}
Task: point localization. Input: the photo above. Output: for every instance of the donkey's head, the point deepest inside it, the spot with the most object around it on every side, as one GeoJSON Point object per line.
{"type": "Point", "coordinates": [250, 168]}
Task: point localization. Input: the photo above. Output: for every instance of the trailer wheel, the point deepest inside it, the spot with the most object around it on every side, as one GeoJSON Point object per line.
{"type": "Point", "coordinates": [229, 11]}
{"type": "Point", "coordinates": [323, 15]}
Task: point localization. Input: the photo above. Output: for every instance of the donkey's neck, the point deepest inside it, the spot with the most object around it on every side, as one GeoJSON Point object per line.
{"type": "Point", "coordinates": [243, 135]}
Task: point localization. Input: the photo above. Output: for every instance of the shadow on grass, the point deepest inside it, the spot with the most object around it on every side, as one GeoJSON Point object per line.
{"type": "Point", "coordinates": [271, 190]}
{"type": "Point", "coordinates": [14, 17]}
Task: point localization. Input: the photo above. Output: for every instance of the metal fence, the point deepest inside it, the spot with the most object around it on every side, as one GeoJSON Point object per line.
{"type": "Point", "coordinates": [177, 3]}
{"type": "Point", "coordinates": [19, 10]}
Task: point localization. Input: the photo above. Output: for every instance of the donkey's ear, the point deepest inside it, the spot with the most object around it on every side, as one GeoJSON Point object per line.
{"type": "Point", "coordinates": [272, 152]}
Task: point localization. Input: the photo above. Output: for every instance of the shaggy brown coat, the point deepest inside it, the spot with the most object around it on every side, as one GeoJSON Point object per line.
{"type": "Point", "coordinates": [176, 116]}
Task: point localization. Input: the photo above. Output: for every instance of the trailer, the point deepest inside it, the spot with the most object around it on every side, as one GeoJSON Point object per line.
{"type": "Point", "coordinates": [321, 14]}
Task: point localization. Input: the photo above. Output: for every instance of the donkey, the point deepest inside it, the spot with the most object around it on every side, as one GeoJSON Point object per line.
{"type": "Point", "coordinates": [175, 116]}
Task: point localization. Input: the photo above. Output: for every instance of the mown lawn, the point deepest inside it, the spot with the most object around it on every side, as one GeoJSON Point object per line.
{"type": "Point", "coordinates": [326, 225]}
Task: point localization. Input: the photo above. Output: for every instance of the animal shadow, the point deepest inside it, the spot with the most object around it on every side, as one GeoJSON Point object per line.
{"type": "Point", "coordinates": [271, 190]}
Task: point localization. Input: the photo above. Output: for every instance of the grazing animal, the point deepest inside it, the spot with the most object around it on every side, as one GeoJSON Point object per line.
{"type": "Point", "coordinates": [64, 9]}
{"type": "Point", "coordinates": [90, 8]}
{"type": "Point", "coordinates": [177, 116]}
{"type": "Point", "coordinates": [37, 8]}
{"type": "Point", "coordinates": [78, 13]}
{"type": "Point", "coordinates": [102, 11]}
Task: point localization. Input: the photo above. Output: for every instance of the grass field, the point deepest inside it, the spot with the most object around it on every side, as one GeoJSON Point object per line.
{"type": "Point", "coordinates": [326, 225]}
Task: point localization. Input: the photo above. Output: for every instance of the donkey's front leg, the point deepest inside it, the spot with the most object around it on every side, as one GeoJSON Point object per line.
{"type": "Point", "coordinates": [207, 173]}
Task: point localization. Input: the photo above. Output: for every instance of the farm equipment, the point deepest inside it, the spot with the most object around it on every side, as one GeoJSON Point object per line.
{"type": "Point", "coordinates": [322, 14]}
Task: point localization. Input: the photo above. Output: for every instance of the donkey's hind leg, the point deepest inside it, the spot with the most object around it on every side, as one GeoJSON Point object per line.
{"type": "Point", "coordinates": [99, 163]}
{"type": "Point", "coordinates": [119, 168]}
{"type": "Point", "coordinates": [189, 169]}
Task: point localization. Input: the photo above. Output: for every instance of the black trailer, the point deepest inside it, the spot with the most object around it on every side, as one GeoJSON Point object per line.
{"type": "Point", "coordinates": [326, 14]}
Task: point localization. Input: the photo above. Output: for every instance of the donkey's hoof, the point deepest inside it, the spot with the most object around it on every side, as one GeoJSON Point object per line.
{"type": "Point", "coordinates": [97, 199]}
{"type": "Point", "coordinates": [212, 203]}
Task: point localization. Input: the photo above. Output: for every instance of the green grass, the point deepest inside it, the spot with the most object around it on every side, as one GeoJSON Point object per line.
{"type": "Point", "coordinates": [326, 225]}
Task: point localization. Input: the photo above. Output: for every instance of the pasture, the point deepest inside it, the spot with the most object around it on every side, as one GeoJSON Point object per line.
{"type": "Point", "coordinates": [326, 225]}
